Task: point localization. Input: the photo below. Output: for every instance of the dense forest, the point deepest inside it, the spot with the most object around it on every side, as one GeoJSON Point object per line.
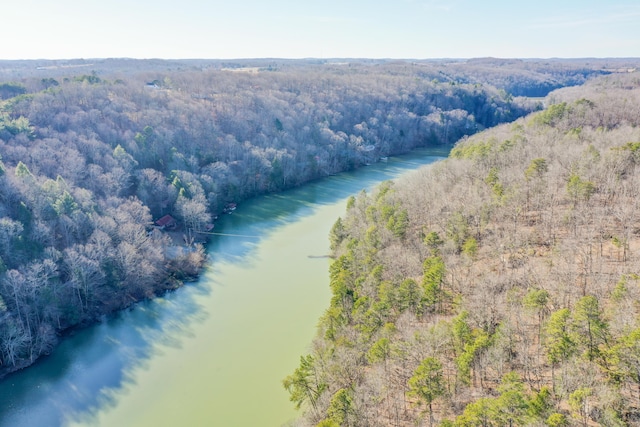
{"type": "Point", "coordinates": [499, 287]}
{"type": "Point", "coordinates": [518, 77]}
{"type": "Point", "coordinates": [93, 154]}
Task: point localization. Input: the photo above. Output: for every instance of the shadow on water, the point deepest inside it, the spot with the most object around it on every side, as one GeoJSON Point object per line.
{"type": "Point", "coordinates": [86, 372]}
{"type": "Point", "coordinates": [93, 367]}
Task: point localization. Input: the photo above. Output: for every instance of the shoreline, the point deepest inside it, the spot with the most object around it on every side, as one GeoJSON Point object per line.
{"type": "Point", "coordinates": [174, 280]}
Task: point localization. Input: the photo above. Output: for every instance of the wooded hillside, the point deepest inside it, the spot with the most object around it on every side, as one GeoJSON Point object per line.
{"type": "Point", "coordinates": [498, 287]}
{"type": "Point", "coordinates": [90, 160]}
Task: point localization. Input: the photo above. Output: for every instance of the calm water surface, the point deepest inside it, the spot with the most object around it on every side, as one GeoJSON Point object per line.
{"type": "Point", "coordinates": [214, 352]}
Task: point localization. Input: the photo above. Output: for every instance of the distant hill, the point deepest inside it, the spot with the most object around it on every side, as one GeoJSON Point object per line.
{"type": "Point", "coordinates": [519, 77]}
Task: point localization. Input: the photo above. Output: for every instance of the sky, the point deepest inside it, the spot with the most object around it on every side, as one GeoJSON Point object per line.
{"type": "Point", "coordinates": [403, 29]}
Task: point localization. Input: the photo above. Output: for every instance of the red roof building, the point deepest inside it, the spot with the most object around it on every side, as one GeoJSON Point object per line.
{"type": "Point", "coordinates": [166, 222]}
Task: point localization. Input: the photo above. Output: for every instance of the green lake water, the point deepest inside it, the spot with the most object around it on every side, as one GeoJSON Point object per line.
{"type": "Point", "coordinates": [214, 352]}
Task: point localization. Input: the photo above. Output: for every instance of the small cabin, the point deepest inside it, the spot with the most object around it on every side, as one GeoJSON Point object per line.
{"type": "Point", "coordinates": [167, 222]}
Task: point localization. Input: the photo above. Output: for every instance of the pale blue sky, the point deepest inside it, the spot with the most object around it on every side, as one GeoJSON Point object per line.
{"type": "Point", "coordinates": [64, 29]}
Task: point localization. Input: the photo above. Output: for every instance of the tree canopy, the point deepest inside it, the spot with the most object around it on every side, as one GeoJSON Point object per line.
{"type": "Point", "coordinates": [525, 242]}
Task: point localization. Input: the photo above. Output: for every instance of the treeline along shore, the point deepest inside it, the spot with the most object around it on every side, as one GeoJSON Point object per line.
{"type": "Point", "coordinates": [499, 287]}
{"type": "Point", "coordinates": [99, 157]}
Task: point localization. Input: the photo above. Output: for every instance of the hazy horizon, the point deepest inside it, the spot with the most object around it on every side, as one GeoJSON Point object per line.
{"type": "Point", "coordinates": [286, 29]}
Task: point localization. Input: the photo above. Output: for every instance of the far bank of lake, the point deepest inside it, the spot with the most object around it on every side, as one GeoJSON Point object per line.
{"type": "Point", "coordinates": [215, 351]}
